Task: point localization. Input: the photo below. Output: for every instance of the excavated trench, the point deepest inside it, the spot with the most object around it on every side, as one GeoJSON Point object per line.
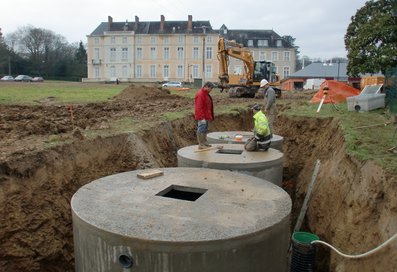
{"type": "Point", "coordinates": [353, 206]}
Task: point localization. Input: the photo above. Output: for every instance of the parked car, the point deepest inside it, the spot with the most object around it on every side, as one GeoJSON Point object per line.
{"type": "Point", "coordinates": [172, 84]}
{"type": "Point", "coordinates": [23, 78]}
{"type": "Point", "coordinates": [37, 79]}
{"type": "Point", "coordinates": [7, 78]}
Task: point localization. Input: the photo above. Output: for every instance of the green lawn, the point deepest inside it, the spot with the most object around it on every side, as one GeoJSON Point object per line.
{"type": "Point", "coordinates": [27, 93]}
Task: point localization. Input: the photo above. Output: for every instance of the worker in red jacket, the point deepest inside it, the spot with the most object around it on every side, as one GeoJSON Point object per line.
{"type": "Point", "coordinates": [203, 113]}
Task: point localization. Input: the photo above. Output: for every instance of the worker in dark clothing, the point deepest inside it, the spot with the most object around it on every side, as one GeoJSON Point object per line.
{"type": "Point", "coordinates": [203, 113]}
{"type": "Point", "coordinates": [262, 136]}
{"type": "Point", "coordinates": [270, 109]}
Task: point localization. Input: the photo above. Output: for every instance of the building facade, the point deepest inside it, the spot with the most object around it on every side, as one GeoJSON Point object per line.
{"type": "Point", "coordinates": [156, 51]}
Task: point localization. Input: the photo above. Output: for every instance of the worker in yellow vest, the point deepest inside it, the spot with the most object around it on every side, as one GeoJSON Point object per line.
{"type": "Point", "coordinates": [262, 134]}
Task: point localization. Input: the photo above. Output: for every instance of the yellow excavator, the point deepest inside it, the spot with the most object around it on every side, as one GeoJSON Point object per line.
{"type": "Point", "coordinates": [247, 83]}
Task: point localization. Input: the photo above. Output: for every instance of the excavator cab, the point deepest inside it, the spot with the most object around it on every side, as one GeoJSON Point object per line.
{"type": "Point", "coordinates": [264, 70]}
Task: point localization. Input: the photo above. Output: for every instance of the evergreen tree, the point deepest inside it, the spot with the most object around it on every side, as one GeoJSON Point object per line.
{"type": "Point", "coordinates": [371, 38]}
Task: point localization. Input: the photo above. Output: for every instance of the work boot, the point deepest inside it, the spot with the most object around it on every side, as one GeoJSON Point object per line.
{"type": "Point", "coordinates": [200, 140]}
{"type": "Point", "coordinates": [205, 141]}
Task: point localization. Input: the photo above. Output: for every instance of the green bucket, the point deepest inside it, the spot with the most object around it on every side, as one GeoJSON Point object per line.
{"type": "Point", "coordinates": [304, 238]}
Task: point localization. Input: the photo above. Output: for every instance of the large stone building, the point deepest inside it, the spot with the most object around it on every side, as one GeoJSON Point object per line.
{"type": "Point", "coordinates": [163, 50]}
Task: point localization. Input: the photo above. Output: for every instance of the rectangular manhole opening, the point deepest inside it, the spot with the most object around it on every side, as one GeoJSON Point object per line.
{"type": "Point", "coordinates": [230, 151]}
{"type": "Point", "coordinates": [182, 192]}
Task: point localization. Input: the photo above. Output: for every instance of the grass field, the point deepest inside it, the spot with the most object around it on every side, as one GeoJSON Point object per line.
{"type": "Point", "coordinates": [28, 93]}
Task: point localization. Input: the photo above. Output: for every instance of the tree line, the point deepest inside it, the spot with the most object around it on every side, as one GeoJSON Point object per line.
{"type": "Point", "coordinates": [40, 52]}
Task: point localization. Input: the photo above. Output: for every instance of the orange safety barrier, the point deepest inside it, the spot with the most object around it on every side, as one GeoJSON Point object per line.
{"type": "Point", "coordinates": [337, 92]}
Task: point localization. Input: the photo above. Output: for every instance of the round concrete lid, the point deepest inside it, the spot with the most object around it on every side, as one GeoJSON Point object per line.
{"type": "Point", "coordinates": [230, 136]}
{"type": "Point", "coordinates": [232, 156]}
{"type": "Point", "coordinates": [183, 204]}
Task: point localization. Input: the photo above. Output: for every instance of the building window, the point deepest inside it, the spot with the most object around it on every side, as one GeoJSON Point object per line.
{"type": "Point", "coordinates": [96, 72]}
{"type": "Point", "coordinates": [195, 39]}
{"type": "Point", "coordinates": [250, 43]}
{"type": "Point", "coordinates": [262, 55]}
{"type": "Point", "coordinates": [124, 39]}
{"type": "Point", "coordinates": [124, 53]}
{"type": "Point", "coordinates": [286, 56]}
{"type": "Point", "coordinates": [279, 43]}
{"type": "Point", "coordinates": [274, 56]}
{"type": "Point", "coordinates": [153, 52]}
{"type": "Point", "coordinates": [139, 71]}
{"type": "Point", "coordinates": [124, 71]}
{"type": "Point", "coordinates": [209, 39]}
{"type": "Point", "coordinates": [166, 53]}
{"type": "Point", "coordinates": [166, 71]}
{"type": "Point", "coordinates": [179, 71]}
{"type": "Point", "coordinates": [263, 43]}
{"type": "Point", "coordinates": [286, 72]}
{"type": "Point", "coordinates": [152, 71]}
{"type": "Point", "coordinates": [180, 54]}
{"type": "Point", "coordinates": [139, 40]}
{"type": "Point", "coordinates": [112, 40]}
{"type": "Point", "coordinates": [96, 40]}
{"type": "Point", "coordinates": [96, 53]}
{"type": "Point", "coordinates": [112, 71]}
{"type": "Point", "coordinates": [208, 71]}
{"type": "Point", "coordinates": [112, 54]}
{"type": "Point", "coordinates": [166, 40]}
{"type": "Point", "coordinates": [153, 40]}
{"type": "Point", "coordinates": [195, 71]}
{"type": "Point", "coordinates": [139, 53]}
{"type": "Point", "coordinates": [208, 53]}
{"type": "Point", "coordinates": [180, 40]}
{"type": "Point", "coordinates": [195, 53]}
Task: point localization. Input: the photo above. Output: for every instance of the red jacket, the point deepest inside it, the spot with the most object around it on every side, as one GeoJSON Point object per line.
{"type": "Point", "coordinates": [203, 106]}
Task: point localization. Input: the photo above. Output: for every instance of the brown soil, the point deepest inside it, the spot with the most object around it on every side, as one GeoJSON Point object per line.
{"type": "Point", "coordinates": [353, 206]}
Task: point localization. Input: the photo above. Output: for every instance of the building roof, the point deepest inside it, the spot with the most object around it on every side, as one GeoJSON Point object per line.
{"type": "Point", "coordinates": [242, 36]}
{"type": "Point", "coordinates": [155, 27]}
{"type": "Point", "coordinates": [320, 70]}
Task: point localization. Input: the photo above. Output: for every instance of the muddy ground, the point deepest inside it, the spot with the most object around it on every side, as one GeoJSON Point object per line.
{"type": "Point", "coordinates": [353, 207]}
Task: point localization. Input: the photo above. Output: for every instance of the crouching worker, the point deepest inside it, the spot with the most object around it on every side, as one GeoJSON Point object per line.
{"type": "Point", "coordinates": [262, 134]}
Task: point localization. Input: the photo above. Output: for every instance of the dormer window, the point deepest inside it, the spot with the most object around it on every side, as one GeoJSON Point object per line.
{"type": "Point", "coordinates": [279, 43]}
{"type": "Point", "coordinates": [250, 43]}
{"type": "Point", "coordinates": [263, 43]}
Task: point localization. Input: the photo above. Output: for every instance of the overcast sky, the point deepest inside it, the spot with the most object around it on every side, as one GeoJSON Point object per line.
{"type": "Point", "coordinates": [318, 26]}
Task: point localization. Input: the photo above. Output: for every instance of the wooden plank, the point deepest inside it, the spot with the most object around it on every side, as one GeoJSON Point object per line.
{"type": "Point", "coordinates": [151, 173]}
{"type": "Point", "coordinates": [207, 149]}
{"type": "Point", "coordinates": [307, 197]}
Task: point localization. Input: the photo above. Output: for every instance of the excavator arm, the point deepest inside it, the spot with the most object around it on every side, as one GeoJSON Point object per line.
{"type": "Point", "coordinates": [228, 49]}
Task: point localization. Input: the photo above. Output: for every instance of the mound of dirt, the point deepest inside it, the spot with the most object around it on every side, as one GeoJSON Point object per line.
{"type": "Point", "coordinates": [144, 92]}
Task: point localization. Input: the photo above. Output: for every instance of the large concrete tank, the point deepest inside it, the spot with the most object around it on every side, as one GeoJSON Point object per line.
{"type": "Point", "coordinates": [240, 137]}
{"type": "Point", "coordinates": [267, 165]}
{"type": "Point", "coordinates": [187, 219]}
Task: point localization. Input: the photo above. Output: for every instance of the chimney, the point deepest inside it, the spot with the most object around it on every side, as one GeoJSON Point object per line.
{"type": "Point", "coordinates": [136, 23]}
{"type": "Point", "coordinates": [190, 23]}
{"type": "Point", "coordinates": [110, 22]}
{"type": "Point", "coordinates": [162, 23]}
